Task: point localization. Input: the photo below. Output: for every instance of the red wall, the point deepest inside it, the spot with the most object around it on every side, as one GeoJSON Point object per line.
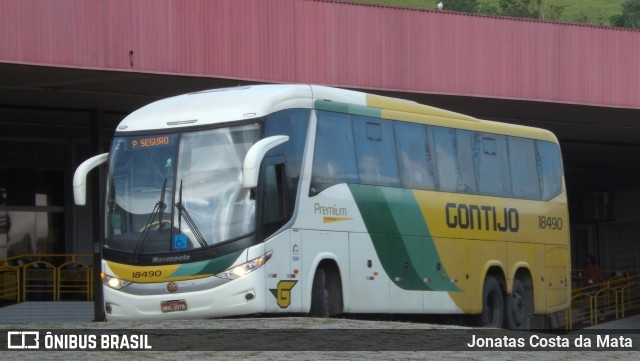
{"type": "Point", "coordinates": [330, 43]}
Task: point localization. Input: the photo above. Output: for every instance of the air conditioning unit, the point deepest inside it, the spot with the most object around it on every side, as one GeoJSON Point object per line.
{"type": "Point", "coordinates": [596, 206]}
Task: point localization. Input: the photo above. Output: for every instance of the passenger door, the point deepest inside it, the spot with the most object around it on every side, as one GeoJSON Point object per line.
{"type": "Point", "coordinates": [281, 280]}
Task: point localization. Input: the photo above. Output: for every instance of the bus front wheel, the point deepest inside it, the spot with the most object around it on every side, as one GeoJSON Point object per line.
{"type": "Point", "coordinates": [492, 304]}
{"type": "Point", "coordinates": [326, 292]}
{"type": "Point", "coordinates": [319, 295]}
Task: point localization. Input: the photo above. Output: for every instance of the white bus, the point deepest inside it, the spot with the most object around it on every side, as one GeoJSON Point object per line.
{"type": "Point", "coordinates": [315, 200]}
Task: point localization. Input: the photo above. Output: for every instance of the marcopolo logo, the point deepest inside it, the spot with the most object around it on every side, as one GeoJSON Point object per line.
{"type": "Point", "coordinates": [21, 340]}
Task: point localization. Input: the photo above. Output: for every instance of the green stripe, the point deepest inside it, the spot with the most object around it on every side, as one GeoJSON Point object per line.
{"type": "Point", "coordinates": [213, 266]}
{"type": "Point", "coordinates": [401, 238]}
{"type": "Point", "coordinates": [347, 108]}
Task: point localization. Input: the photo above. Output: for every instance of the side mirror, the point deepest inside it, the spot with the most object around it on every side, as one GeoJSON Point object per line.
{"type": "Point", "coordinates": [255, 154]}
{"type": "Point", "coordinates": [80, 177]}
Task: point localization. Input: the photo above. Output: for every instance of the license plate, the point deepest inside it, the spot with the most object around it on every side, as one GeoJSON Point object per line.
{"type": "Point", "coordinates": [173, 306]}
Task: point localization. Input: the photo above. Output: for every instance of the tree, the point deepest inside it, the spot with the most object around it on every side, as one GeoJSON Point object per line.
{"type": "Point", "coordinates": [486, 8]}
{"type": "Point", "coordinates": [465, 6]}
{"type": "Point", "coordinates": [630, 17]}
{"type": "Point", "coordinates": [554, 12]}
{"type": "Point", "coordinates": [581, 17]}
{"type": "Point", "coordinates": [521, 8]}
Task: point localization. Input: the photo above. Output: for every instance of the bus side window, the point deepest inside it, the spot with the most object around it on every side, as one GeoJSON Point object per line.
{"type": "Point", "coordinates": [446, 158]}
{"type": "Point", "coordinates": [334, 159]}
{"type": "Point", "coordinates": [550, 168]}
{"type": "Point", "coordinates": [375, 151]}
{"type": "Point", "coordinates": [492, 165]}
{"type": "Point", "coordinates": [275, 212]}
{"type": "Point", "coordinates": [465, 161]}
{"type": "Point", "coordinates": [415, 156]}
{"type": "Point", "coordinates": [524, 175]}
{"type": "Point", "coordinates": [293, 123]}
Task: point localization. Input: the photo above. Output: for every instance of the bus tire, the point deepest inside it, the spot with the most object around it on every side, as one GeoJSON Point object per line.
{"type": "Point", "coordinates": [519, 307]}
{"type": "Point", "coordinates": [492, 304]}
{"type": "Point", "coordinates": [319, 295]}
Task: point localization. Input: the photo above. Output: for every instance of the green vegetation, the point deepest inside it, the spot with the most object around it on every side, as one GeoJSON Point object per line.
{"type": "Point", "coordinates": [630, 17]}
{"type": "Point", "coordinates": [597, 12]}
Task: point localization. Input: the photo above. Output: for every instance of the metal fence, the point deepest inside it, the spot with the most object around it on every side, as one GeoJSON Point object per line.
{"type": "Point", "coordinates": [46, 277]}
{"type": "Point", "coordinates": [612, 298]}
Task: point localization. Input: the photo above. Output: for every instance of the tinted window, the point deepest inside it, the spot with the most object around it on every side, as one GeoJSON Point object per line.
{"type": "Point", "coordinates": [444, 140]}
{"type": "Point", "coordinates": [381, 152]}
{"type": "Point", "coordinates": [291, 122]}
{"type": "Point", "coordinates": [550, 169]}
{"type": "Point", "coordinates": [524, 170]}
{"type": "Point", "coordinates": [415, 156]}
{"type": "Point", "coordinates": [492, 165]}
{"type": "Point", "coordinates": [294, 123]}
{"type": "Point", "coordinates": [334, 158]}
{"type": "Point", "coordinates": [464, 150]}
{"type": "Point", "coordinates": [376, 151]}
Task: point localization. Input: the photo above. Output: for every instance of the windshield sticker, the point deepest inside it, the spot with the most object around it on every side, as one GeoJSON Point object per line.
{"type": "Point", "coordinates": [179, 241]}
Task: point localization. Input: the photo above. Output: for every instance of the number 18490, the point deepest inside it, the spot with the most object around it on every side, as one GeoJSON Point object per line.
{"type": "Point", "coordinates": [552, 223]}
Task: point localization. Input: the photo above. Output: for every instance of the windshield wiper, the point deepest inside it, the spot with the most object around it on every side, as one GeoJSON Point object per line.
{"type": "Point", "coordinates": [192, 225]}
{"type": "Point", "coordinates": [157, 209]}
{"type": "Point", "coordinates": [111, 202]}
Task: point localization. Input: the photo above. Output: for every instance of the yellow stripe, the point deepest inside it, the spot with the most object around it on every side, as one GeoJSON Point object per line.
{"type": "Point", "coordinates": [335, 219]}
{"type": "Point", "coordinates": [404, 110]}
{"type": "Point", "coordinates": [147, 274]}
{"type": "Point", "coordinates": [407, 106]}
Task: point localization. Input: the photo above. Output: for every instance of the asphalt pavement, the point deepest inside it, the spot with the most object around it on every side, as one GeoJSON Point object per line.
{"type": "Point", "coordinates": [303, 338]}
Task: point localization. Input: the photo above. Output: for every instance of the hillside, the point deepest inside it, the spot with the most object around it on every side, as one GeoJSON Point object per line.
{"type": "Point", "coordinates": [595, 12]}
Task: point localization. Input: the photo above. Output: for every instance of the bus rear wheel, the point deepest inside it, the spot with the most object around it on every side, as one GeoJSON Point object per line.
{"type": "Point", "coordinates": [492, 304]}
{"type": "Point", "coordinates": [519, 307]}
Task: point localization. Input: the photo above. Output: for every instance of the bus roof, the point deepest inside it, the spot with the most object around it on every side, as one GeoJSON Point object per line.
{"type": "Point", "coordinates": [254, 101]}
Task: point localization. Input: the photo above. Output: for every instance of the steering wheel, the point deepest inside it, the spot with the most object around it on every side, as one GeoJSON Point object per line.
{"type": "Point", "coordinates": [156, 224]}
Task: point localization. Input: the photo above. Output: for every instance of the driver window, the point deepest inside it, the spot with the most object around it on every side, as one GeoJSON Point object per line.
{"type": "Point", "coordinates": [275, 212]}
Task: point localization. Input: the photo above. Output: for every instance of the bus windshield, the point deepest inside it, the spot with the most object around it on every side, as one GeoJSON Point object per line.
{"type": "Point", "coordinates": [176, 192]}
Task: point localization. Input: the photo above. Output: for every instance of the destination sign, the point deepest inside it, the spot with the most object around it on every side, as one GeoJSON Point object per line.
{"type": "Point", "coordinates": [149, 142]}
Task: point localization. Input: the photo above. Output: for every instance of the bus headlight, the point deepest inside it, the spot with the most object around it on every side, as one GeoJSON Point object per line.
{"type": "Point", "coordinates": [245, 268]}
{"type": "Point", "coordinates": [114, 282]}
